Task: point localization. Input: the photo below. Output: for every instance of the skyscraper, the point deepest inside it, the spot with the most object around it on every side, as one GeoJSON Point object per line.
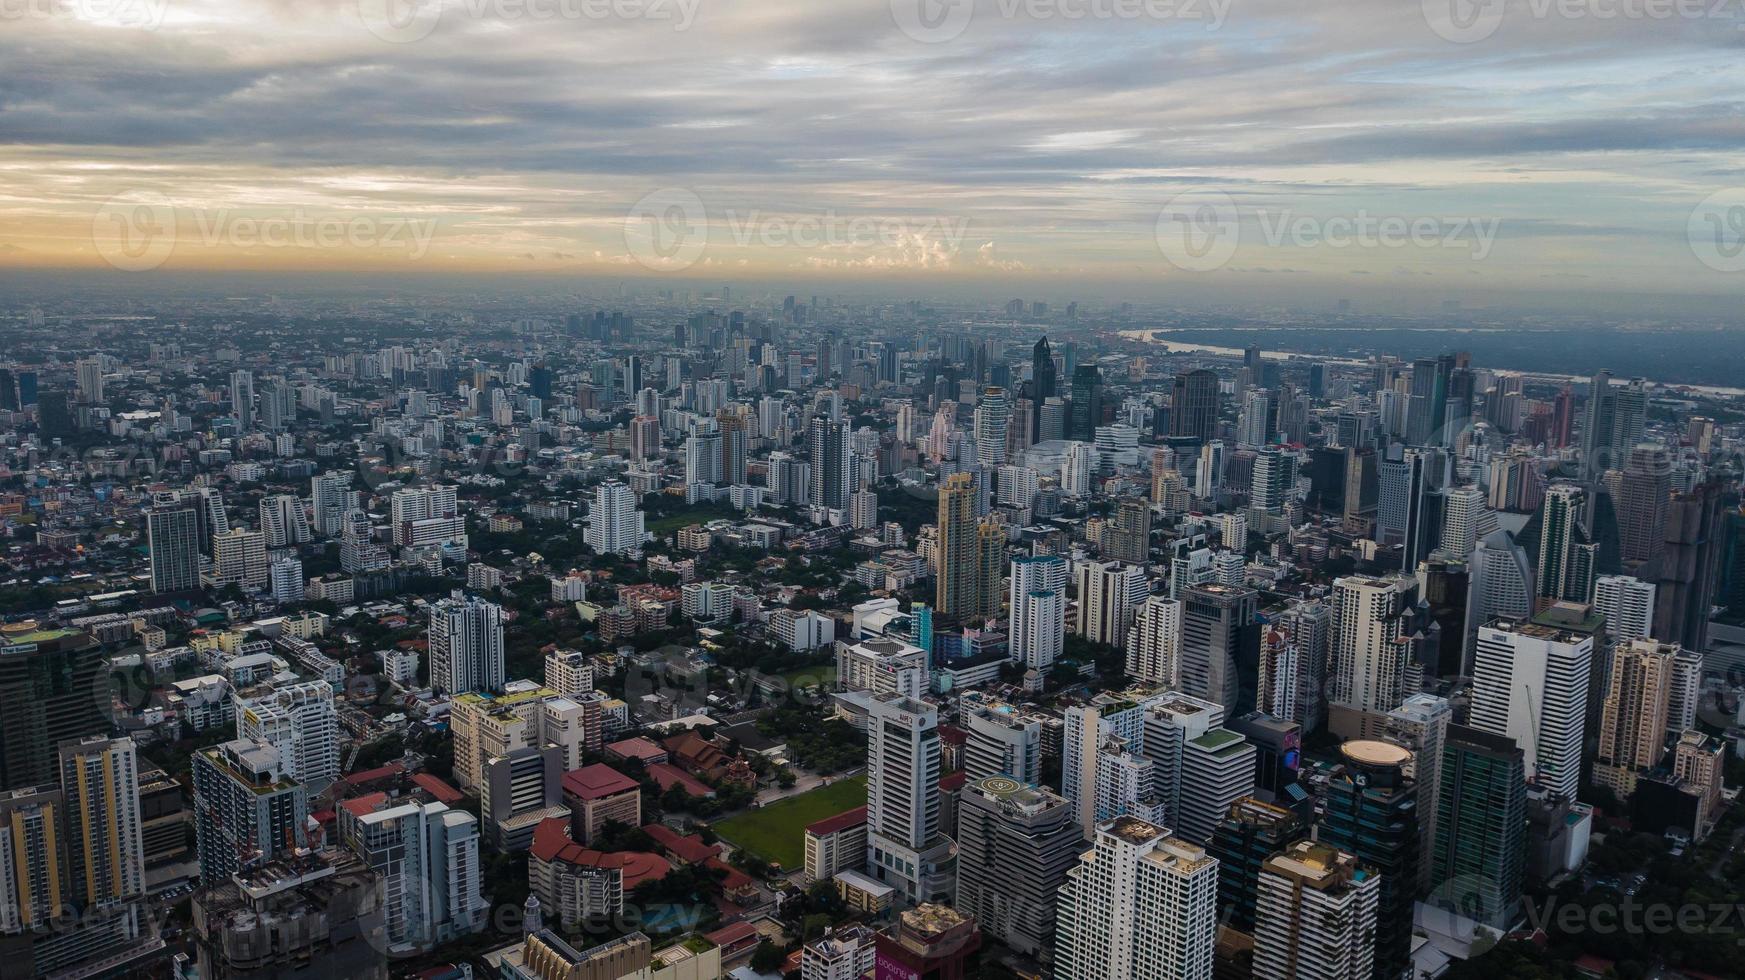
{"type": "Point", "coordinates": [1042, 383]}
{"type": "Point", "coordinates": [1568, 562]}
{"type": "Point", "coordinates": [1220, 646]}
{"type": "Point", "coordinates": [1250, 832]}
{"type": "Point", "coordinates": [466, 645]}
{"type": "Point", "coordinates": [970, 555]}
{"type": "Point", "coordinates": [1370, 658]}
{"type": "Point", "coordinates": [1015, 844]}
{"type": "Point", "coordinates": [1141, 906]}
{"type": "Point", "coordinates": [242, 399]}
{"type": "Point", "coordinates": [33, 887]}
{"type": "Point", "coordinates": [54, 687]}
{"type": "Point", "coordinates": [301, 723]}
{"type": "Point", "coordinates": [1127, 537]}
{"type": "Point", "coordinates": [1109, 596]}
{"type": "Point", "coordinates": [1628, 605]}
{"type": "Point", "coordinates": [1087, 403]}
{"type": "Point", "coordinates": [828, 442]}
{"type": "Point", "coordinates": [1690, 567]}
{"type": "Point", "coordinates": [1644, 493]}
{"type": "Point", "coordinates": [1633, 717]}
{"type": "Point", "coordinates": [283, 520]}
{"type": "Point", "coordinates": [1480, 858]}
{"type": "Point", "coordinates": [1154, 642]}
{"type": "Point", "coordinates": [246, 809]}
{"type": "Point", "coordinates": [1193, 409]}
{"type": "Point", "coordinates": [1530, 684]}
{"type": "Point", "coordinates": [1420, 724]}
{"type": "Point", "coordinates": [1316, 915]}
{"type": "Point", "coordinates": [615, 526]}
{"type": "Point", "coordinates": [993, 420]}
{"type": "Point", "coordinates": [1001, 742]}
{"type": "Point", "coordinates": [100, 784]}
{"type": "Point", "coordinates": [1372, 813]}
{"type": "Point", "coordinates": [172, 536]}
{"type": "Point", "coordinates": [1037, 601]}
{"type": "Point", "coordinates": [906, 845]}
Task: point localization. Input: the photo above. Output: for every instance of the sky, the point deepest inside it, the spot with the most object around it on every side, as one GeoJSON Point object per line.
{"type": "Point", "coordinates": [1442, 148]}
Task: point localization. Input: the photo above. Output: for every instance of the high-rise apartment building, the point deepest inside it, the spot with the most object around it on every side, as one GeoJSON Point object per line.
{"type": "Point", "coordinates": [172, 535]}
{"type": "Point", "coordinates": [1037, 610]}
{"type": "Point", "coordinates": [466, 645]}
{"type": "Point", "coordinates": [1316, 916]}
{"type": "Point", "coordinates": [970, 554]}
{"type": "Point", "coordinates": [615, 526]}
{"type": "Point", "coordinates": [1154, 642]}
{"type": "Point", "coordinates": [1109, 596]}
{"type": "Point", "coordinates": [246, 808]}
{"type": "Point", "coordinates": [1142, 905]}
{"type": "Point", "coordinates": [1628, 605]}
{"type": "Point", "coordinates": [283, 521]}
{"type": "Point", "coordinates": [1633, 717]}
{"type": "Point", "coordinates": [300, 722]}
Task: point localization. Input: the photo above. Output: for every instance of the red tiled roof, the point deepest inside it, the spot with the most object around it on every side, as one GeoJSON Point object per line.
{"type": "Point", "coordinates": [440, 791]}
{"type": "Point", "coordinates": [726, 936]}
{"type": "Point", "coordinates": [688, 848]}
{"type": "Point", "coordinates": [954, 782]}
{"type": "Point", "coordinates": [668, 776]}
{"type": "Point", "coordinates": [953, 735]}
{"type": "Point", "coordinates": [551, 842]}
{"type": "Point", "coordinates": [368, 776]}
{"type": "Point", "coordinates": [361, 806]}
{"type": "Point", "coordinates": [735, 879]}
{"type": "Point", "coordinates": [636, 748]}
{"type": "Point", "coordinates": [596, 782]}
{"type": "Point", "coordinates": [842, 821]}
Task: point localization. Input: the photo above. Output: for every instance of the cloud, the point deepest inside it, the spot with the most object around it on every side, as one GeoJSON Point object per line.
{"type": "Point", "coordinates": [531, 139]}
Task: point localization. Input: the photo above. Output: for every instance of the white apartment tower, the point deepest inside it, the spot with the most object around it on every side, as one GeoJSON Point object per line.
{"type": "Point", "coordinates": [466, 645]}
{"type": "Point", "coordinates": [1530, 683]}
{"type": "Point", "coordinates": [1141, 905]}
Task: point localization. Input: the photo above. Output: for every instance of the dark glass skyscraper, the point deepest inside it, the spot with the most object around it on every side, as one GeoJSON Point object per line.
{"type": "Point", "coordinates": [1193, 410]}
{"type": "Point", "coordinates": [1372, 812]}
{"type": "Point", "coordinates": [53, 687]}
{"type": "Point", "coordinates": [1480, 857]}
{"type": "Point", "coordinates": [1087, 403]}
{"type": "Point", "coordinates": [1042, 382]}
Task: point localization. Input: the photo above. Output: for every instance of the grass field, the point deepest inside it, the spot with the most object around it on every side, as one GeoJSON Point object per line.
{"type": "Point", "coordinates": [777, 832]}
{"type": "Point", "coordinates": [700, 514]}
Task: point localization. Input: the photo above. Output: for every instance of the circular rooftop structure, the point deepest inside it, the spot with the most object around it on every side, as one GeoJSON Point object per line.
{"type": "Point", "coordinates": [1368, 752]}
